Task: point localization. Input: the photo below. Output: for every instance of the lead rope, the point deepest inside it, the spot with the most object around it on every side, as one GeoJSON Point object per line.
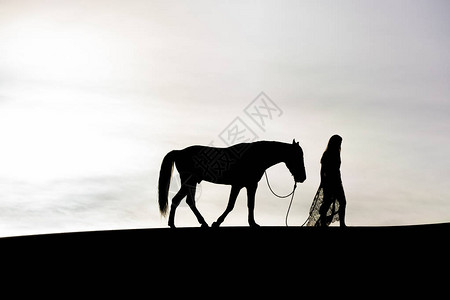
{"type": "Point", "coordinates": [282, 197]}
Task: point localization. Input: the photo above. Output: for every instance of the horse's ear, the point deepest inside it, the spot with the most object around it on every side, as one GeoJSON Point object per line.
{"type": "Point", "coordinates": [293, 141]}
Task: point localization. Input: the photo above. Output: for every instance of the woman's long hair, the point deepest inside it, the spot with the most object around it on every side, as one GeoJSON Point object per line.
{"type": "Point", "coordinates": [333, 150]}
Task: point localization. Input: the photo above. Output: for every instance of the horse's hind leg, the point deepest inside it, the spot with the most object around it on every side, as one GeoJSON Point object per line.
{"type": "Point", "coordinates": [175, 202]}
{"type": "Point", "coordinates": [190, 200]}
{"type": "Point", "coordinates": [233, 196]}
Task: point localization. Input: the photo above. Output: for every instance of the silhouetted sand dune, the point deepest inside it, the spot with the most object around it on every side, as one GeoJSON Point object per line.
{"type": "Point", "coordinates": [303, 239]}
{"type": "Point", "coordinates": [233, 254]}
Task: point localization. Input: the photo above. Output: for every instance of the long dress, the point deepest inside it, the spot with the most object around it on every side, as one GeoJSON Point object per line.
{"type": "Point", "coordinates": [329, 202]}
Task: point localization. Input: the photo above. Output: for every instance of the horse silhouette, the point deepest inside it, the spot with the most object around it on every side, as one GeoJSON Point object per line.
{"type": "Point", "coordinates": [241, 165]}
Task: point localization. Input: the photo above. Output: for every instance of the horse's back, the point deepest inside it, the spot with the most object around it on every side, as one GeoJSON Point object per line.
{"type": "Point", "coordinates": [213, 164]}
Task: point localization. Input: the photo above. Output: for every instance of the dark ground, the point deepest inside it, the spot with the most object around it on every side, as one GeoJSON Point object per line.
{"type": "Point", "coordinates": [240, 242]}
{"type": "Point", "coordinates": [381, 257]}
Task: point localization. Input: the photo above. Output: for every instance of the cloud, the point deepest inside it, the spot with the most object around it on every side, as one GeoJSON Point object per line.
{"type": "Point", "coordinates": [95, 95]}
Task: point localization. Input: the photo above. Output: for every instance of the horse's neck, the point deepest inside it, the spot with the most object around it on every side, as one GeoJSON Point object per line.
{"type": "Point", "coordinates": [274, 153]}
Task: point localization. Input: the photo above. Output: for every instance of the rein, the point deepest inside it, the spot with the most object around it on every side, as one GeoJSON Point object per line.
{"type": "Point", "coordinates": [282, 197]}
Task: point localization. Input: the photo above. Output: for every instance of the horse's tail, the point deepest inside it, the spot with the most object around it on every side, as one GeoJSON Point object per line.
{"type": "Point", "coordinates": [164, 181]}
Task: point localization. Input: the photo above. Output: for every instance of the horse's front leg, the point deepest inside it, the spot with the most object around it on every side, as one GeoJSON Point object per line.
{"type": "Point", "coordinates": [251, 192]}
{"type": "Point", "coordinates": [233, 196]}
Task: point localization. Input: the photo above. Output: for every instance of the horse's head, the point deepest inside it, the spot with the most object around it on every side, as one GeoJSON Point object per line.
{"type": "Point", "coordinates": [295, 163]}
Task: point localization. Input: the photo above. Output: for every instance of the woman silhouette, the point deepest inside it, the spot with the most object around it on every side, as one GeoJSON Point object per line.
{"type": "Point", "coordinates": [329, 202]}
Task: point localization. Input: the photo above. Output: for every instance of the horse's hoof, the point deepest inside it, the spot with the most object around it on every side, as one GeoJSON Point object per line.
{"type": "Point", "coordinates": [204, 225]}
{"type": "Point", "coordinates": [172, 225]}
{"type": "Point", "coordinates": [215, 225]}
{"type": "Point", "coordinates": [254, 225]}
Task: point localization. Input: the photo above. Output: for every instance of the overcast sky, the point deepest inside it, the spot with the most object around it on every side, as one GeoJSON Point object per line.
{"type": "Point", "coordinates": [93, 94]}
